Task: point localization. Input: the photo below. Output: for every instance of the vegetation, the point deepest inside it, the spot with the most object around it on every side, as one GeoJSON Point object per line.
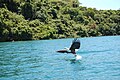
{"type": "Point", "coordinates": [50, 19]}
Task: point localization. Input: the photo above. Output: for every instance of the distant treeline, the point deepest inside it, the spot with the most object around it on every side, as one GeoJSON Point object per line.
{"type": "Point", "coordinates": [51, 19]}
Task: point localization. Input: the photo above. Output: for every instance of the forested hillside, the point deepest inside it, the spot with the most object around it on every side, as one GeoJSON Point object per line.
{"type": "Point", "coordinates": [51, 19]}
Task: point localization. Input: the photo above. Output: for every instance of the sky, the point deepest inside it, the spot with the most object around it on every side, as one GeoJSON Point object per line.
{"type": "Point", "coordinates": [101, 4]}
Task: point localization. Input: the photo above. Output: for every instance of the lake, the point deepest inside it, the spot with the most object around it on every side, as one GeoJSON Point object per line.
{"type": "Point", "coordinates": [38, 60]}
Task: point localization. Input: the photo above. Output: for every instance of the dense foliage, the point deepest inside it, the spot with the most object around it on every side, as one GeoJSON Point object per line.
{"type": "Point", "coordinates": [50, 19]}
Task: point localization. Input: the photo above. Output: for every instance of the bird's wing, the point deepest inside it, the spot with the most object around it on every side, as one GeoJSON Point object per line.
{"type": "Point", "coordinates": [75, 44]}
{"type": "Point", "coordinates": [63, 51]}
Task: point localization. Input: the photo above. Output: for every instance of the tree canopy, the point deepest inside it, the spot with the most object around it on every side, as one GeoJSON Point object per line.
{"type": "Point", "coordinates": [51, 19]}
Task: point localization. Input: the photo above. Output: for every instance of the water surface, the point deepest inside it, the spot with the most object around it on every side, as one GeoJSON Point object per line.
{"type": "Point", "coordinates": [38, 60]}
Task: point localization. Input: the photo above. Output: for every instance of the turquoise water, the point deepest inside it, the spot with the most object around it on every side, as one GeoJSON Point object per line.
{"type": "Point", "coordinates": [38, 60]}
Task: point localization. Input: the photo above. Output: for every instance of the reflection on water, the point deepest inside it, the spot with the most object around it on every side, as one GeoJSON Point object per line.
{"type": "Point", "coordinates": [38, 60]}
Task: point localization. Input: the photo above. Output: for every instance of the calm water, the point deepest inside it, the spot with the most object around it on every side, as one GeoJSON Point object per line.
{"type": "Point", "coordinates": [38, 60]}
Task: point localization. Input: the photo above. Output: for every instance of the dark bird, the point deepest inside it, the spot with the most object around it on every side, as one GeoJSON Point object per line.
{"type": "Point", "coordinates": [73, 48]}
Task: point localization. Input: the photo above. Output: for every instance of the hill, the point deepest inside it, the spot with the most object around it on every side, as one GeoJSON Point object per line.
{"type": "Point", "coordinates": [51, 19]}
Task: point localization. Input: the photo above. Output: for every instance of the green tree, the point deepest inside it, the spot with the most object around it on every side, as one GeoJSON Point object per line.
{"type": "Point", "coordinates": [12, 5]}
{"type": "Point", "coordinates": [48, 19]}
{"type": "Point", "coordinates": [27, 10]}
